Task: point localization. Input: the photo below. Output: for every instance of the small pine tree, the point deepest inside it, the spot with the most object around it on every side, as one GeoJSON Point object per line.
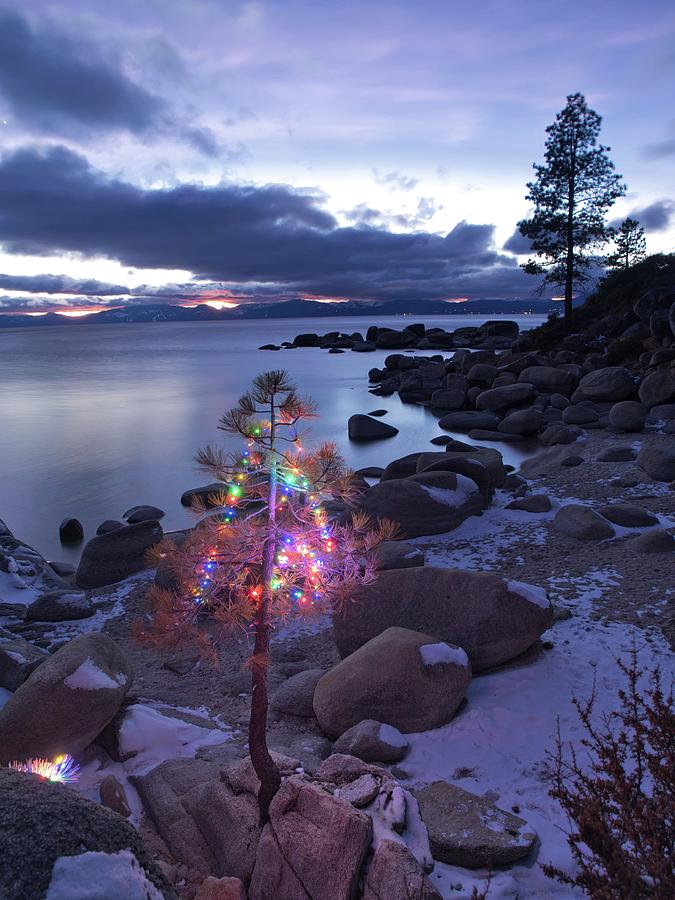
{"type": "Point", "coordinates": [620, 797]}
{"type": "Point", "coordinates": [572, 191]}
{"type": "Point", "coordinates": [269, 553]}
{"type": "Point", "coordinates": [630, 246]}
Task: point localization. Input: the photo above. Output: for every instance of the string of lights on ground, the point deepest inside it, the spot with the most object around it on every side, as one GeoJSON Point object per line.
{"type": "Point", "coordinates": [63, 769]}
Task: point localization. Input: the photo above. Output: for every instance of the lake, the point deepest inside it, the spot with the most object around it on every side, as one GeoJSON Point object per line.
{"type": "Point", "coordinates": [97, 418]}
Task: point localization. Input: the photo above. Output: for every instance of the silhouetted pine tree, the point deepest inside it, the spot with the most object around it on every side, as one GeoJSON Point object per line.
{"type": "Point", "coordinates": [630, 246]}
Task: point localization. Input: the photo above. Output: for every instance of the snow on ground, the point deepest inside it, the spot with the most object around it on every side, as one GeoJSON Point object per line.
{"type": "Point", "coordinates": [100, 876]}
{"type": "Point", "coordinates": [499, 742]}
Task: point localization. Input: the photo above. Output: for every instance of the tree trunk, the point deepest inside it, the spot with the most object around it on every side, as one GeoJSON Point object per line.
{"type": "Point", "coordinates": [569, 261]}
{"type": "Point", "coordinates": [264, 765]}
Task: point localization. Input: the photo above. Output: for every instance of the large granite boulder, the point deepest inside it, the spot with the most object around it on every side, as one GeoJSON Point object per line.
{"type": "Point", "coordinates": [143, 513]}
{"type": "Point", "coordinates": [395, 874]}
{"type": "Point", "coordinates": [67, 701]}
{"type": "Point", "coordinates": [312, 847]}
{"type": "Point", "coordinates": [46, 828]}
{"type": "Point", "coordinates": [522, 421]}
{"type": "Point", "coordinates": [60, 606]}
{"type": "Point", "coordinates": [466, 420]}
{"type": "Point", "coordinates": [657, 388]}
{"type": "Point", "coordinates": [398, 555]}
{"type": "Point", "coordinates": [502, 397]}
{"type": "Point", "coordinates": [296, 694]}
{"type": "Point", "coordinates": [435, 503]}
{"type": "Point", "coordinates": [658, 460]}
{"type": "Point", "coordinates": [366, 428]}
{"type": "Point", "coordinates": [111, 557]}
{"type": "Point", "coordinates": [549, 380]}
{"type": "Point", "coordinates": [629, 515]}
{"type": "Point", "coordinates": [401, 677]}
{"type": "Point", "coordinates": [470, 831]}
{"type": "Point", "coordinates": [582, 523]}
{"type": "Point", "coordinates": [612, 383]}
{"type": "Point", "coordinates": [492, 619]}
{"type": "Point", "coordinates": [628, 415]}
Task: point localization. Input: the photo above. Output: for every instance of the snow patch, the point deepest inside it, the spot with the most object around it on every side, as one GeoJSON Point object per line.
{"type": "Point", "coordinates": [88, 677]}
{"type": "Point", "coordinates": [443, 654]}
{"type": "Point", "coordinates": [17, 657]}
{"type": "Point", "coordinates": [100, 876]}
{"type": "Point", "coordinates": [146, 731]}
{"type": "Point", "coordinates": [392, 736]}
{"type": "Point", "coordinates": [530, 592]}
{"type": "Point", "coordinates": [5, 695]}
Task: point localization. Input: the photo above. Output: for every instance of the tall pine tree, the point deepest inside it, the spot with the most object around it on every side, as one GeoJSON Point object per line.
{"type": "Point", "coordinates": [571, 193]}
{"type": "Point", "coordinates": [630, 246]}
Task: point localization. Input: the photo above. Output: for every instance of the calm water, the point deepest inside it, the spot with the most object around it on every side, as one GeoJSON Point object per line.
{"type": "Point", "coordinates": [95, 419]}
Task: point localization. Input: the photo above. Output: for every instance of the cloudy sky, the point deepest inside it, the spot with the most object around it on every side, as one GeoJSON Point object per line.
{"type": "Point", "coordinates": [173, 151]}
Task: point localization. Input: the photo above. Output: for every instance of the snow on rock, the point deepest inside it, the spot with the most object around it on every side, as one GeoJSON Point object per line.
{"type": "Point", "coordinates": [156, 737]}
{"type": "Point", "coordinates": [100, 876]}
{"type": "Point", "coordinates": [530, 592]}
{"type": "Point", "coordinates": [392, 736]}
{"type": "Point", "coordinates": [443, 654]}
{"type": "Point", "coordinates": [456, 497]}
{"type": "Point", "coordinates": [88, 677]}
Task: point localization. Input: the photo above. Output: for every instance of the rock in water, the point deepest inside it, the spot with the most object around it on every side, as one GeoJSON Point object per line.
{"type": "Point", "coordinates": [373, 741]}
{"type": "Point", "coordinates": [401, 677]}
{"type": "Point", "coordinates": [67, 701]}
{"type": "Point", "coordinates": [42, 822]}
{"type": "Point", "coordinates": [492, 619]}
{"type": "Point", "coordinates": [365, 428]}
{"type": "Point", "coordinates": [71, 531]}
{"type": "Point", "coordinates": [395, 873]}
{"type": "Point", "coordinates": [312, 847]}
{"type": "Point", "coordinates": [469, 831]}
{"type": "Point", "coordinates": [111, 557]}
{"type": "Point", "coordinates": [143, 514]}
{"type": "Point", "coordinates": [582, 523]}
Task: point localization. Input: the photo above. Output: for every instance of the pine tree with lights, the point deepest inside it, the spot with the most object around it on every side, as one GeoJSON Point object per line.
{"type": "Point", "coordinates": [269, 553]}
{"type": "Point", "coordinates": [630, 246]}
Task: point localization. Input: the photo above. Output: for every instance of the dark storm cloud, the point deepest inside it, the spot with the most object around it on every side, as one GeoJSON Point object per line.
{"type": "Point", "coordinates": [518, 243]}
{"type": "Point", "coordinates": [240, 236]}
{"type": "Point", "coordinates": [655, 217]}
{"type": "Point", "coordinates": [60, 284]}
{"type": "Point", "coordinates": [53, 83]}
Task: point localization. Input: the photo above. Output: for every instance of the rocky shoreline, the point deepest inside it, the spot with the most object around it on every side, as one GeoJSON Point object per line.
{"type": "Point", "coordinates": [412, 726]}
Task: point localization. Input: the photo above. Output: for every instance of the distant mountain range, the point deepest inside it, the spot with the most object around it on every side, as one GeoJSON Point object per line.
{"type": "Point", "coordinates": [288, 309]}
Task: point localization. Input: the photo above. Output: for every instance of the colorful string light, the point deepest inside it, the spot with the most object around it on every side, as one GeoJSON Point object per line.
{"type": "Point", "coordinates": [63, 769]}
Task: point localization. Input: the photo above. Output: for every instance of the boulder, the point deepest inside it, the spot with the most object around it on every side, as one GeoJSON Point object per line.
{"type": "Point", "coordinates": [67, 701]}
{"type": "Point", "coordinates": [210, 496]}
{"type": "Point", "coordinates": [424, 506]}
{"type": "Point", "coordinates": [221, 889]}
{"type": "Point", "coordinates": [143, 514]}
{"type": "Point", "coordinates": [401, 468]}
{"type": "Point", "coordinates": [366, 428]}
{"type": "Point", "coordinates": [466, 420]}
{"type": "Point", "coordinates": [628, 515]}
{"type": "Point", "coordinates": [656, 540]}
{"type": "Point", "coordinates": [559, 433]}
{"type": "Point", "coordinates": [18, 658]}
{"type": "Point", "coordinates": [616, 454]}
{"type": "Point", "coordinates": [532, 503]}
{"type": "Point", "coordinates": [579, 415]}
{"type": "Point", "coordinates": [611, 383]}
{"type": "Point", "coordinates": [549, 380]}
{"type": "Point", "coordinates": [111, 557]}
{"type": "Point", "coordinates": [492, 619]}
{"type": "Point", "coordinates": [395, 874]}
{"type": "Point", "coordinates": [470, 831]}
{"type": "Point", "coordinates": [482, 374]}
{"type": "Point", "coordinates": [71, 531]}
{"type": "Point", "coordinates": [657, 388]}
{"type": "Point", "coordinates": [523, 421]}
{"type": "Point", "coordinates": [114, 796]}
{"type": "Point", "coordinates": [502, 397]}
{"type": "Point", "coordinates": [400, 677]}
{"type": "Point", "coordinates": [109, 525]}
{"type": "Point", "coordinates": [44, 826]}
{"type": "Point", "coordinates": [373, 741]}
{"type": "Point", "coordinates": [582, 523]}
{"type": "Point", "coordinates": [60, 606]}
{"type": "Point", "coordinates": [308, 825]}
{"type": "Point", "coordinates": [658, 460]}
{"type": "Point", "coordinates": [448, 399]}
{"type": "Point", "coordinates": [296, 694]}
{"type": "Point", "coordinates": [628, 415]}
{"type": "Point", "coordinates": [398, 555]}
{"type": "Point", "coordinates": [652, 300]}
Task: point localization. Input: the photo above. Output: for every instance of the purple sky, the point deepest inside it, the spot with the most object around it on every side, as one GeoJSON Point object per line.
{"type": "Point", "coordinates": [170, 151]}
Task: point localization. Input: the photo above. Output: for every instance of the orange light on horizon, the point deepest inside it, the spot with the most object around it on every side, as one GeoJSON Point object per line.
{"type": "Point", "coordinates": [457, 300]}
